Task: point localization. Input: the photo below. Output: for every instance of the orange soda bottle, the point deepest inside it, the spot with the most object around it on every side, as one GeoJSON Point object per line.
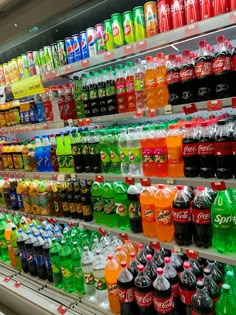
{"type": "Point", "coordinates": [150, 84]}
{"type": "Point", "coordinates": [174, 148]}
{"type": "Point", "coordinates": [128, 247]}
{"type": "Point", "coordinates": [160, 152]}
{"type": "Point", "coordinates": [163, 206]}
{"type": "Point", "coordinates": [121, 255]}
{"type": "Point", "coordinates": [112, 270]}
{"type": "Point", "coordinates": [161, 83]}
{"type": "Point", "coordinates": [148, 208]}
{"type": "Point", "coordinates": [7, 234]}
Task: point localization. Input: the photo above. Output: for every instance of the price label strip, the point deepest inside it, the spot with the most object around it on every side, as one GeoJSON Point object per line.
{"type": "Point", "coordinates": [27, 87]}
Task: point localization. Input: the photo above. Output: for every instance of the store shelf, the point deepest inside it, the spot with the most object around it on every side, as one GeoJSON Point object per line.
{"type": "Point", "coordinates": [149, 44]}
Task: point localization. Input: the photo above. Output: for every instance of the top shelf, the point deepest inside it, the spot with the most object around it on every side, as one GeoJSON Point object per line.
{"type": "Point", "coordinates": [160, 41]}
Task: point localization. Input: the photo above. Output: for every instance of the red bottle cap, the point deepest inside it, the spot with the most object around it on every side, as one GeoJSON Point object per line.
{"type": "Point", "coordinates": [187, 265]}
{"type": "Point", "coordinates": [132, 255]}
{"type": "Point", "coordinates": [167, 260]}
{"type": "Point", "coordinates": [110, 256]}
{"type": "Point", "coordinates": [149, 257]}
{"type": "Point", "coordinates": [159, 271]}
{"type": "Point", "coordinates": [123, 264]}
{"type": "Point", "coordinates": [161, 186]}
{"type": "Point", "coordinates": [149, 58]}
{"type": "Point", "coordinates": [140, 268]}
{"type": "Point", "coordinates": [200, 188]}
{"type": "Point", "coordinates": [140, 246]}
{"type": "Point", "coordinates": [202, 44]}
{"type": "Point", "coordinates": [179, 187]}
{"type": "Point", "coordinates": [118, 248]}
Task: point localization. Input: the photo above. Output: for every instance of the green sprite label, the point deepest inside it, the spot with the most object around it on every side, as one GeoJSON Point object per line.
{"type": "Point", "coordinates": [134, 155]}
{"type": "Point", "coordinates": [134, 210]}
{"type": "Point", "coordinates": [98, 204]}
{"type": "Point", "coordinates": [115, 156]}
{"type": "Point", "coordinates": [105, 156]}
{"type": "Point", "coordinates": [124, 155]}
{"type": "Point", "coordinates": [121, 209]}
{"type": "Point", "coordinates": [89, 278]}
{"type": "Point", "coordinates": [100, 284]}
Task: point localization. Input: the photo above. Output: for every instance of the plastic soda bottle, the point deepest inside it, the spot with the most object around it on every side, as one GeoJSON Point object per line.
{"type": "Point", "coordinates": [121, 202]}
{"type": "Point", "coordinates": [226, 303]}
{"type": "Point", "coordinates": [109, 204]}
{"type": "Point", "coordinates": [69, 161]}
{"type": "Point", "coordinates": [139, 85]}
{"type": "Point", "coordinates": [3, 243]}
{"type": "Point", "coordinates": [105, 152]}
{"type": "Point", "coordinates": [148, 208]}
{"type": "Point", "coordinates": [78, 277]}
{"type": "Point", "coordinates": [150, 83]}
{"type": "Point", "coordinates": [87, 267]}
{"type": "Point", "coordinates": [160, 156]}
{"type": "Point", "coordinates": [129, 85]}
{"type": "Point", "coordinates": [48, 266]}
{"type": "Point", "coordinates": [7, 234]}
{"type": "Point", "coordinates": [60, 152]}
{"type": "Point", "coordinates": [114, 152]}
{"type": "Point", "coordinates": [54, 251]}
{"type": "Point", "coordinates": [97, 200]}
{"type": "Point", "coordinates": [112, 270]}
{"type": "Point", "coordinates": [21, 238]}
{"type": "Point", "coordinates": [38, 256]}
{"type": "Point", "coordinates": [121, 255]}
{"type": "Point", "coordinates": [121, 96]}
{"type": "Point", "coordinates": [134, 209]}
{"type": "Point", "coordinates": [161, 84]}
{"type": "Point", "coordinates": [66, 267]}
{"type": "Point", "coordinates": [30, 253]}
{"type": "Point", "coordinates": [13, 240]}
{"type": "Point", "coordinates": [135, 166]}
{"type": "Point", "coordinates": [124, 151]}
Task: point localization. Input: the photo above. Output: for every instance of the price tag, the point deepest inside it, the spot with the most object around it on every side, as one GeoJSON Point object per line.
{"type": "Point", "coordinates": [85, 63]}
{"type": "Point", "coordinates": [87, 122]}
{"type": "Point", "coordinates": [191, 30]}
{"type": "Point", "coordinates": [61, 177]}
{"type": "Point", "coordinates": [145, 181]}
{"type": "Point", "coordinates": [12, 130]}
{"type": "Point", "coordinates": [109, 55]}
{"type": "Point", "coordinates": [50, 75]}
{"type": "Point", "coordinates": [32, 128]}
{"type": "Point", "coordinates": [45, 126]}
{"type": "Point", "coordinates": [124, 236]}
{"type": "Point", "coordinates": [36, 175]}
{"type": "Point", "coordinates": [151, 113]}
{"type": "Point", "coordinates": [177, 249]}
{"type": "Point", "coordinates": [168, 109]}
{"type": "Point", "coordinates": [138, 114]}
{"type": "Point", "coordinates": [99, 178]}
{"type": "Point", "coordinates": [155, 245]}
{"type": "Point", "coordinates": [232, 17]}
{"type": "Point", "coordinates": [81, 226]}
{"type": "Point", "coordinates": [218, 186]}
{"type": "Point", "coordinates": [191, 253]}
{"type": "Point", "coordinates": [233, 102]}
{"type": "Point", "coordinates": [6, 279]}
{"type": "Point", "coordinates": [68, 68]}
{"type": "Point", "coordinates": [102, 232]}
{"type": "Point", "coordinates": [128, 49]}
{"type": "Point", "coordinates": [214, 105]}
{"type": "Point", "coordinates": [54, 176]}
{"type": "Point", "coordinates": [170, 181]}
{"type": "Point", "coordinates": [21, 175]}
{"type": "Point", "coordinates": [129, 180]}
{"type": "Point", "coordinates": [142, 45]}
{"type": "Point", "coordinates": [17, 284]}
{"type": "Point", "coordinates": [61, 309]}
{"type": "Point", "coordinates": [27, 87]}
{"type": "Point", "coordinates": [80, 122]}
{"type": "Point", "coordinates": [190, 109]}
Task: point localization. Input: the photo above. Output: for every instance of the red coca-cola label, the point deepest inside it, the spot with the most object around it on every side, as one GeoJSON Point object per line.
{"type": "Point", "coordinates": [144, 299]}
{"type": "Point", "coordinates": [177, 13]}
{"type": "Point", "coordinates": [164, 16]}
{"type": "Point", "coordinates": [173, 77]}
{"type": "Point", "coordinates": [186, 74]}
{"type": "Point", "coordinates": [203, 69]}
{"type": "Point", "coordinates": [175, 290]}
{"type": "Point", "coordinates": [221, 64]}
{"type": "Point", "coordinates": [223, 148]}
{"type": "Point", "coordinates": [191, 11]}
{"type": "Point", "coordinates": [201, 216]}
{"type": "Point", "coordinates": [163, 305]}
{"type": "Point", "coordinates": [220, 7]}
{"type": "Point", "coordinates": [206, 9]}
{"type": "Point", "coordinates": [234, 147]}
{"type": "Point", "coordinates": [181, 215]}
{"type": "Point", "coordinates": [206, 148]}
{"type": "Point", "coordinates": [186, 296]}
{"type": "Point", "coordinates": [190, 149]}
{"type": "Point", "coordinates": [126, 295]}
{"type": "Point", "coordinates": [196, 313]}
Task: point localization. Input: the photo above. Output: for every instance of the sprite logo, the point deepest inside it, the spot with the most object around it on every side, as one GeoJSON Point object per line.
{"type": "Point", "coordinates": [223, 221]}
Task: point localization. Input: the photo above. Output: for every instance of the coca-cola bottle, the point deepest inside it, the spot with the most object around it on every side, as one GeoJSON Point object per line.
{"type": "Point", "coordinates": [173, 80]}
{"type": "Point", "coordinates": [143, 291]}
{"type": "Point", "coordinates": [125, 289]}
{"type": "Point", "coordinates": [148, 249]}
{"type": "Point", "coordinates": [223, 151]}
{"type": "Point", "coordinates": [176, 262]}
{"type": "Point", "coordinates": [234, 152]}
{"type": "Point", "coordinates": [210, 285]}
{"type": "Point", "coordinates": [150, 268]}
{"type": "Point", "coordinates": [195, 267]}
{"type": "Point", "coordinates": [162, 295]}
{"type": "Point", "coordinates": [158, 257]}
{"type": "Point", "coordinates": [233, 73]}
{"type": "Point", "coordinates": [203, 73]}
{"type": "Point", "coordinates": [190, 151]}
{"type": "Point", "coordinates": [187, 78]}
{"type": "Point", "coordinates": [201, 301]}
{"type": "Point", "coordinates": [201, 216]}
{"type": "Point", "coordinates": [221, 67]}
{"type": "Point", "coordinates": [215, 272]}
{"type": "Point", "coordinates": [141, 256]}
{"type": "Point", "coordinates": [187, 288]}
{"type": "Point", "coordinates": [206, 151]}
{"type": "Point", "coordinates": [181, 214]}
{"type": "Point", "coordinates": [133, 265]}
{"type": "Point", "coordinates": [171, 274]}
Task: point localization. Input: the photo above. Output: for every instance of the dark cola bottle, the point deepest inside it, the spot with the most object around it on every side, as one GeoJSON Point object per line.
{"type": "Point", "coordinates": [215, 272]}
{"type": "Point", "coordinates": [29, 251]}
{"type": "Point", "coordinates": [150, 268]}
{"type": "Point", "coordinates": [210, 285]}
{"type": "Point", "coordinates": [187, 78]}
{"type": "Point", "coordinates": [206, 151]}
{"type": "Point", "coordinates": [233, 72]}
{"type": "Point", "coordinates": [173, 80]}
{"type": "Point", "coordinates": [171, 274]}
{"type": "Point", "coordinates": [201, 301]}
{"type": "Point", "coordinates": [181, 214]}
{"type": "Point", "coordinates": [162, 295]}
{"type": "Point", "coordinates": [158, 257]}
{"type": "Point", "coordinates": [196, 268]}
{"type": "Point", "coordinates": [190, 151]}
{"type": "Point", "coordinates": [223, 151]}
{"type": "Point", "coordinates": [133, 265]}
{"type": "Point", "coordinates": [187, 288]}
{"type": "Point", "coordinates": [143, 291]}
{"type": "Point", "coordinates": [176, 262]}
{"type": "Point", "coordinates": [125, 289]}
{"type": "Point", "coordinates": [148, 249]}
{"type": "Point", "coordinates": [38, 256]}
{"type": "Point", "coordinates": [201, 216]}
{"type": "Point", "coordinates": [221, 67]}
{"type": "Point", "coordinates": [203, 73]}
{"type": "Point", "coordinates": [141, 256]}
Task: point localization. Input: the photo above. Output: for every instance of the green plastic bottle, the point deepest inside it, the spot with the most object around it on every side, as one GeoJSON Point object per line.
{"type": "Point", "coordinates": [97, 200]}
{"type": "Point", "coordinates": [114, 151]}
{"type": "Point", "coordinates": [66, 267]}
{"type": "Point", "coordinates": [121, 201]}
{"type": "Point", "coordinates": [54, 251]}
{"type": "Point", "coordinates": [232, 194]}
{"type": "Point", "coordinates": [60, 152]}
{"type": "Point", "coordinates": [226, 304]}
{"type": "Point", "coordinates": [3, 244]}
{"type": "Point", "coordinates": [13, 240]}
{"type": "Point", "coordinates": [105, 152]}
{"type": "Point", "coordinates": [109, 204]}
{"type": "Point", "coordinates": [69, 160]}
{"type": "Point", "coordinates": [78, 276]}
{"type": "Point", "coordinates": [230, 279]}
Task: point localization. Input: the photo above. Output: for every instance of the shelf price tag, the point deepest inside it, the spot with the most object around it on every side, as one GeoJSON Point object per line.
{"type": "Point", "coordinates": [145, 181]}
{"type": "Point", "coordinates": [214, 105]}
{"type": "Point", "coordinates": [54, 176]}
{"type": "Point", "coordinates": [27, 87]}
{"type": "Point", "coordinates": [232, 17]}
{"type": "Point", "coordinates": [50, 75]}
{"type": "Point", "coordinates": [168, 109]}
{"type": "Point", "coordinates": [129, 180]}
{"type": "Point", "coordinates": [85, 63]}
{"type": "Point", "coordinates": [109, 55]}
{"type": "Point", "coordinates": [155, 245]}
{"type": "Point", "coordinates": [36, 175]}
{"type": "Point", "coordinates": [68, 68]}
{"type": "Point", "coordinates": [190, 109]}
{"type": "Point", "coordinates": [99, 178]}
{"type": "Point", "coordinates": [17, 284]}
{"type": "Point", "coordinates": [216, 186]}
{"type": "Point", "coordinates": [102, 232]}
{"type": "Point", "coordinates": [138, 114]}
{"type": "Point", "coordinates": [128, 49]}
{"type": "Point", "coordinates": [6, 279]}
{"type": "Point", "coordinates": [151, 113]}
{"type": "Point", "coordinates": [191, 30]}
{"type": "Point", "coordinates": [142, 45]}
{"type": "Point", "coordinates": [61, 309]}
{"type": "Point", "coordinates": [191, 253]}
{"type": "Point", "coordinates": [123, 236]}
{"type": "Point", "coordinates": [233, 102]}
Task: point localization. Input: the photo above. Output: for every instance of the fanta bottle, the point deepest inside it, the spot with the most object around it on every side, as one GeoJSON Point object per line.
{"type": "Point", "coordinates": [150, 83]}
{"type": "Point", "coordinates": [163, 204]}
{"type": "Point", "coordinates": [162, 89]}
{"type": "Point", "coordinates": [160, 152]}
{"type": "Point", "coordinates": [174, 148]}
{"type": "Point", "coordinates": [121, 255]}
{"type": "Point", "coordinates": [148, 208]}
{"type": "Point", "coordinates": [129, 85]}
{"type": "Point", "coordinates": [7, 234]}
{"type": "Point", "coordinates": [121, 96]}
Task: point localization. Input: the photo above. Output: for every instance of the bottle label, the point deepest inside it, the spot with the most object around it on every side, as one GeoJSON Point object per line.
{"type": "Point", "coordinates": [110, 90]}
{"type": "Point", "coordinates": [65, 206]}
{"type": "Point", "coordinates": [115, 156]}
{"type": "Point", "coordinates": [134, 155]}
{"type": "Point", "coordinates": [163, 305]}
{"type": "Point", "coordinates": [173, 77]}
{"type": "Point", "coordinates": [69, 161]}
{"type": "Point", "coordinates": [100, 284]}
{"type": "Point", "coordinates": [144, 299]}
{"type": "Point", "coordinates": [3, 244]}
{"type": "Point", "coordinates": [186, 296]}
{"type": "Point", "coordinates": [175, 290]}
{"type": "Point", "coordinates": [55, 268]}
{"type": "Point", "coordinates": [201, 216]}
{"type": "Point", "coordinates": [39, 260]}
{"type": "Point", "coordinates": [120, 88]}
{"type": "Point", "coordinates": [160, 155]}
{"type": "Point", "coordinates": [130, 86]}
{"type": "Point", "coordinates": [187, 74]}
{"type": "Point", "coordinates": [22, 254]}
{"type": "Point", "coordinates": [206, 148]}
{"type": "Point", "coordinates": [112, 289]}
{"type": "Point", "coordinates": [163, 216]}
{"type": "Point", "coordinates": [126, 295]}
{"type": "Point", "coordinates": [203, 69]}
{"type": "Point", "coordinates": [139, 85]}
{"type": "Point", "coordinates": [102, 92]}
{"type": "Point", "coordinates": [72, 207]}
{"type": "Point", "coordinates": [147, 155]}
{"type": "Point", "coordinates": [221, 64]}
{"type": "Point", "coordinates": [121, 209]}
{"type": "Point", "coordinates": [89, 278]}
{"type": "Point", "coordinates": [105, 156]}
{"type": "Point", "coordinates": [47, 262]}
{"type": "Point", "coordinates": [61, 160]}
{"type": "Point", "coordinates": [66, 272]}
{"type": "Point", "coordinates": [93, 94]}
{"type": "Point", "coordinates": [14, 199]}
{"type": "Point", "coordinates": [124, 155]}
{"type": "Point", "coordinates": [234, 147]}
{"type": "Point", "coordinates": [174, 155]}
{"type": "Point", "coordinates": [79, 208]}
{"type": "Point", "coordinates": [94, 148]}
{"type": "Point", "coordinates": [85, 149]}
{"type": "Point", "coordinates": [223, 148]}
{"type": "Point", "coordinates": [77, 272]}
{"type": "Point", "coordinates": [148, 212]}
{"type": "Point", "coordinates": [233, 63]}
{"type": "Point", "coordinates": [181, 215]}
{"type": "Point", "coordinates": [222, 221]}
{"type": "Point", "coordinates": [109, 206]}
{"type": "Point", "coordinates": [98, 204]}
{"type": "Point", "coordinates": [134, 210]}
{"type": "Point", "coordinates": [190, 149]}
{"type": "Point", "coordinates": [87, 210]}
{"type": "Point", "coordinates": [151, 83]}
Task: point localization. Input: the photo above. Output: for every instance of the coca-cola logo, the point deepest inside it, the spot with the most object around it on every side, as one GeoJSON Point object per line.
{"type": "Point", "coordinates": [201, 216]}
{"type": "Point", "coordinates": [163, 8]}
{"type": "Point", "coordinates": [163, 305]}
{"type": "Point", "coordinates": [186, 74]}
{"type": "Point", "coordinates": [206, 149]}
{"type": "Point", "coordinates": [173, 77]}
{"type": "Point", "coordinates": [181, 215]}
{"type": "Point", "coordinates": [126, 296]}
{"type": "Point", "coordinates": [145, 299]}
{"type": "Point", "coordinates": [190, 149]}
{"type": "Point", "coordinates": [203, 69]}
{"type": "Point", "coordinates": [221, 64]}
{"type": "Point", "coordinates": [177, 6]}
{"type": "Point", "coordinates": [223, 148]}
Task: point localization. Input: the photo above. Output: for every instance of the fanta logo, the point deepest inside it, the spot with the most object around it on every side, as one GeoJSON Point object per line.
{"type": "Point", "coordinates": [127, 29]}
{"type": "Point", "coordinates": [115, 30]}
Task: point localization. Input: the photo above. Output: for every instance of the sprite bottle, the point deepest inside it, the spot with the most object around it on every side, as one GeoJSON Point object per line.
{"type": "Point", "coordinates": [3, 244]}
{"type": "Point", "coordinates": [66, 266]}
{"type": "Point", "coordinates": [97, 200]}
{"type": "Point", "coordinates": [78, 277]}
{"type": "Point", "coordinates": [121, 201]}
{"type": "Point", "coordinates": [226, 303]}
{"type": "Point", "coordinates": [54, 251]}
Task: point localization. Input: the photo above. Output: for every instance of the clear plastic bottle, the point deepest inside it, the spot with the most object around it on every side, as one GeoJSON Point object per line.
{"type": "Point", "coordinates": [139, 86]}
{"type": "Point", "coordinates": [135, 165]}
{"type": "Point", "coordinates": [124, 151]}
{"type": "Point", "coordinates": [87, 260]}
